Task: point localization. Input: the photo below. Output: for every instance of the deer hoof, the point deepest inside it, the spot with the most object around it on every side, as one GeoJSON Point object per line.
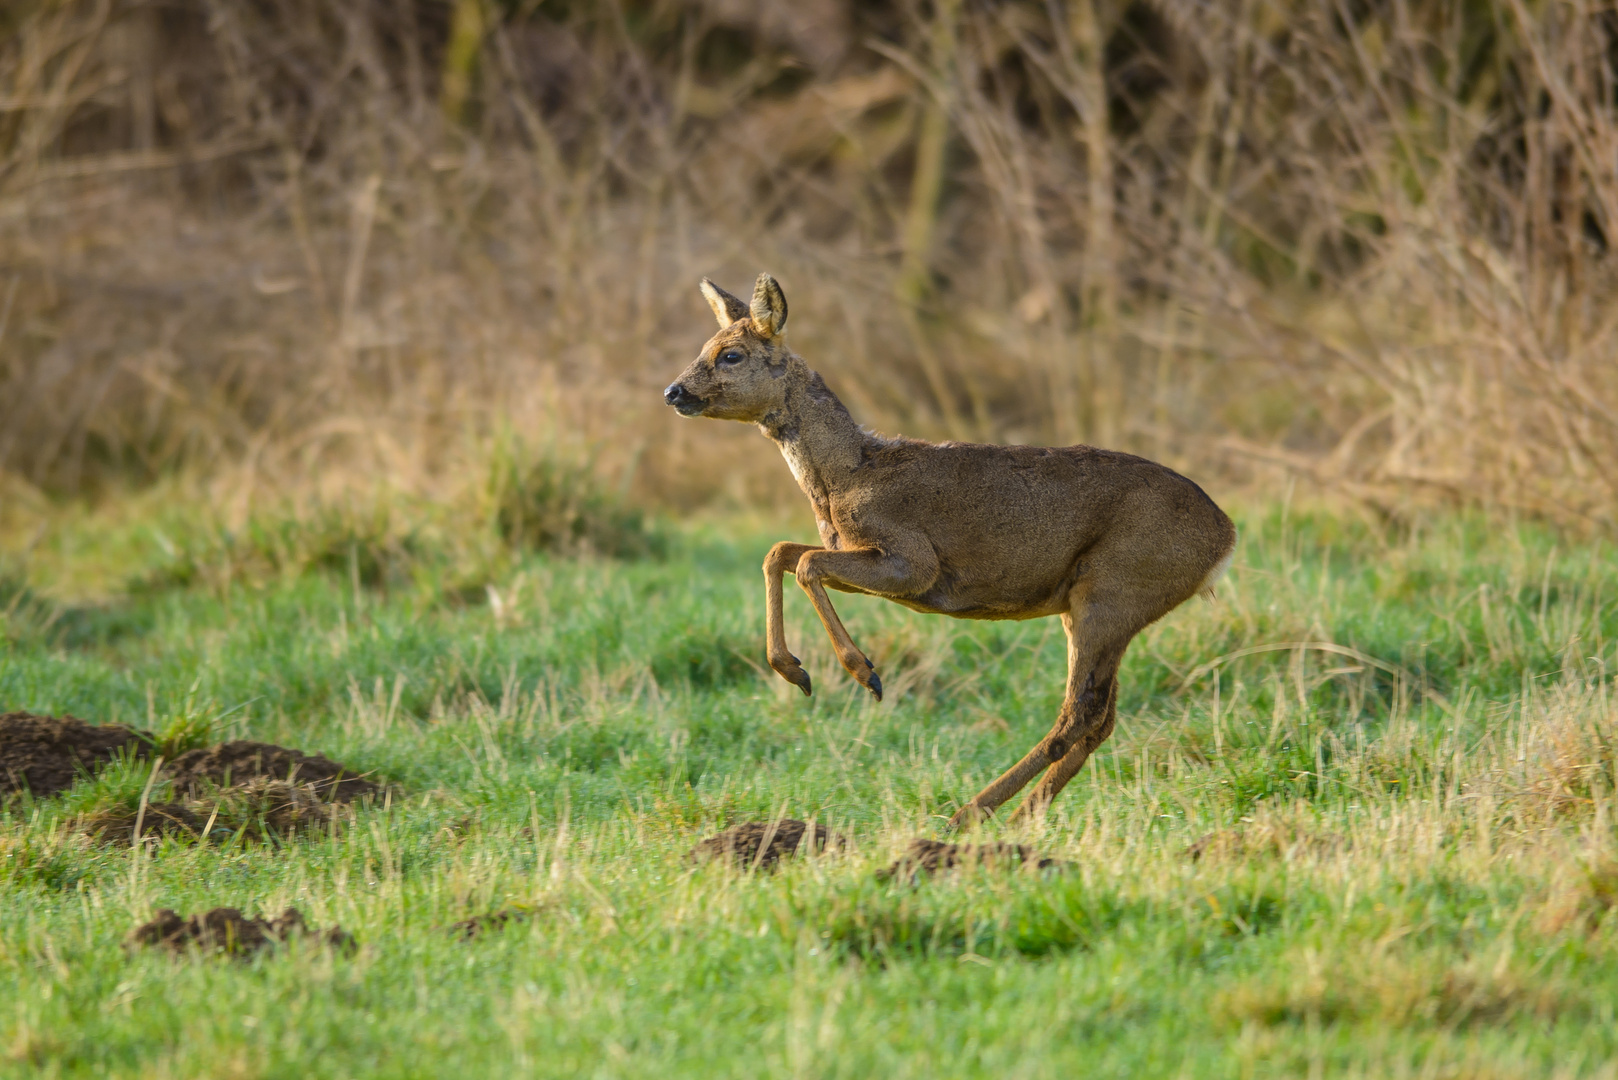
{"type": "Point", "coordinates": [967, 816]}
{"type": "Point", "coordinates": [802, 682]}
{"type": "Point", "coordinates": [875, 685]}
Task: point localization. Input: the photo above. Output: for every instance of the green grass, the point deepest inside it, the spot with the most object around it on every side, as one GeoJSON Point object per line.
{"type": "Point", "coordinates": [1404, 860]}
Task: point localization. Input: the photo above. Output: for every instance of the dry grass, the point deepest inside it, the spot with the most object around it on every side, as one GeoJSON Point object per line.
{"type": "Point", "coordinates": [307, 247]}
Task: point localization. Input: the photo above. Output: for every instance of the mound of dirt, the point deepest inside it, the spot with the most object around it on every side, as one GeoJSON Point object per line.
{"type": "Point", "coordinates": [197, 772]}
{"type": "Point", "coordinates": [259, 808]}
{"type": "Point", "coordinates": [162, 819]}
{"type": "Point", "coordinates": [277, 806]}
{"type": "Point", "coordinates": [478, 925]}
{"type": "Point", "coordinates": [228, 931]}
{"type": "Point", "coordinates": [778, 839]}
{"type": "Point", "coordinates": [46, 754]}
{"type": "Point", "coordinates": [929, 856]}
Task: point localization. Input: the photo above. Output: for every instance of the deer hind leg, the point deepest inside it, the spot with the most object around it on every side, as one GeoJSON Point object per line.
{"type": "Point", "coordinates": [1056, 777]}
{"type": "Point", "coordinates": [782, 557]}
{"type": "Point", "coordinates": [863, 570]}
{"type": "Point", "coordinates": [1091, 669]}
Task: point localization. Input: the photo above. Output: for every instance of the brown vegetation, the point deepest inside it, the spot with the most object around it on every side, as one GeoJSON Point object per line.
{"type": "Point", "coordinates": [301, 244]}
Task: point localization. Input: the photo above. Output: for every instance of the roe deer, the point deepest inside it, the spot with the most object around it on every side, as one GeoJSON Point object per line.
{"type": "Point", "coordinates": [1108, 541]}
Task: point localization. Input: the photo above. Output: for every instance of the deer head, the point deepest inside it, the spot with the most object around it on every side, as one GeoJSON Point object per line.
{"type": "Point", "coordinates": [739, 374]}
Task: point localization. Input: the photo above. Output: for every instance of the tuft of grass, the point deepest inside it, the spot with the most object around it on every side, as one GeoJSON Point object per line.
{"type": "Point", "coordinates": [191, 724]}
{"type": "Point", "coordinates": [972, 913]}
{"type": "Point", "coordinates": [50, 859]}
{"type": "Point", "coordinates": [447, 548]}
{"type": "Point", "coordinates": [1406, 994]}
{"type": "Point", "coordinates": [364, 545]}
{"type": "Point", "coordinates": [552, 501]}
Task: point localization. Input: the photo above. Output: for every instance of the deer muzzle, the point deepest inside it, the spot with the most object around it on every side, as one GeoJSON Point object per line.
{"type": "Point", "coordinates": [685, 403]}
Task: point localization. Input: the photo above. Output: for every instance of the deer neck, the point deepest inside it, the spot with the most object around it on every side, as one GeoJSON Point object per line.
{"type": "Point", "coordinates": [819, 439]}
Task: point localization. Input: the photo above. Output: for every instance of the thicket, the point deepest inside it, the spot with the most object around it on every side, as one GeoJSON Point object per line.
{"type": "Point", "coordinates": [304, 244]}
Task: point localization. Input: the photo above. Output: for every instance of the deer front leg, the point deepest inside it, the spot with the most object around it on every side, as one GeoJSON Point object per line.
{"type": "Point", "coordinates": [782, 557]}
{"type": "Point", "coordinates": [864, 570]}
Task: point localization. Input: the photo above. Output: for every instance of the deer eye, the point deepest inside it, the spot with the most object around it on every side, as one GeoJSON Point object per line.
{"type": "Point", "coordinates": [730, 358]}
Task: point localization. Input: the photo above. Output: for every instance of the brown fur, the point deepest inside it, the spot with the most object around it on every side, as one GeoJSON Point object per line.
{"type": "Point", "coordinates": [1108, 541]}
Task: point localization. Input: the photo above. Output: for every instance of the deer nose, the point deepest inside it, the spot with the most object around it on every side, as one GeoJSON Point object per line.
{"type": "Point", "coordinates": [684, 401]}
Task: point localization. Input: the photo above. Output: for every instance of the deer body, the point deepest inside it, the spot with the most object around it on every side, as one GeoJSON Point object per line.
{"type": "Point", "coordinates": [1108, 541]}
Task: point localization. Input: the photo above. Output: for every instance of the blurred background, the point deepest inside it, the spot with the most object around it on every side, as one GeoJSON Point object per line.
{"type": "Point", "coordinates": [304, 248]}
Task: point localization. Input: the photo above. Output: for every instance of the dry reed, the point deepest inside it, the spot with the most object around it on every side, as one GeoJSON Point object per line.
{"type": "Point", "coordinates": [303, 245]}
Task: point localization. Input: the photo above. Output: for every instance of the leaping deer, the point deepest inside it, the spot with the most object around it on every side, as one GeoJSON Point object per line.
{"type": "Point", "coordinates": [1108, 541]}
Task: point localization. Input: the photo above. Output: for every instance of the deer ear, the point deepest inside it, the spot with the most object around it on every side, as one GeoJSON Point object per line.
{"type": "Point", "coordinates": [769, 308]}
{"type": "Point", "coordinates": [726, 308]}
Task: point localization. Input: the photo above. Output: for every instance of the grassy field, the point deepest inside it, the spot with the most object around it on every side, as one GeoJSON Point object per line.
{"type": "Point", "coordinates": [1357, 820]}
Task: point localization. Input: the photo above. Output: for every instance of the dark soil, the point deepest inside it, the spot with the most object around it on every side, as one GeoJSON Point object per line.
{"type": "Point", "coordinates": [478, 925]}
{"type": "Point", "coordinates": [779, 839]}
{"type": "Point", "coordinates": [929, 856]}
{"type": "Point", "coordinates": [259, 810]}
{"type": "Point", "coordinates": [197, 772]}
{"type": "Point", "coordinates": [278, 807]}
{"type": "Point", "coordinates": [162, 819]}
{"type": "Point", "coordinates": [45, 755]}
{"type": "Point", "coordinates": [227, 930]}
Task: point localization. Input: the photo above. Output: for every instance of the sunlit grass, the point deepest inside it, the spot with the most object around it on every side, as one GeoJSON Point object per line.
{"type": "Point", "coordinates": [1358, 816]}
